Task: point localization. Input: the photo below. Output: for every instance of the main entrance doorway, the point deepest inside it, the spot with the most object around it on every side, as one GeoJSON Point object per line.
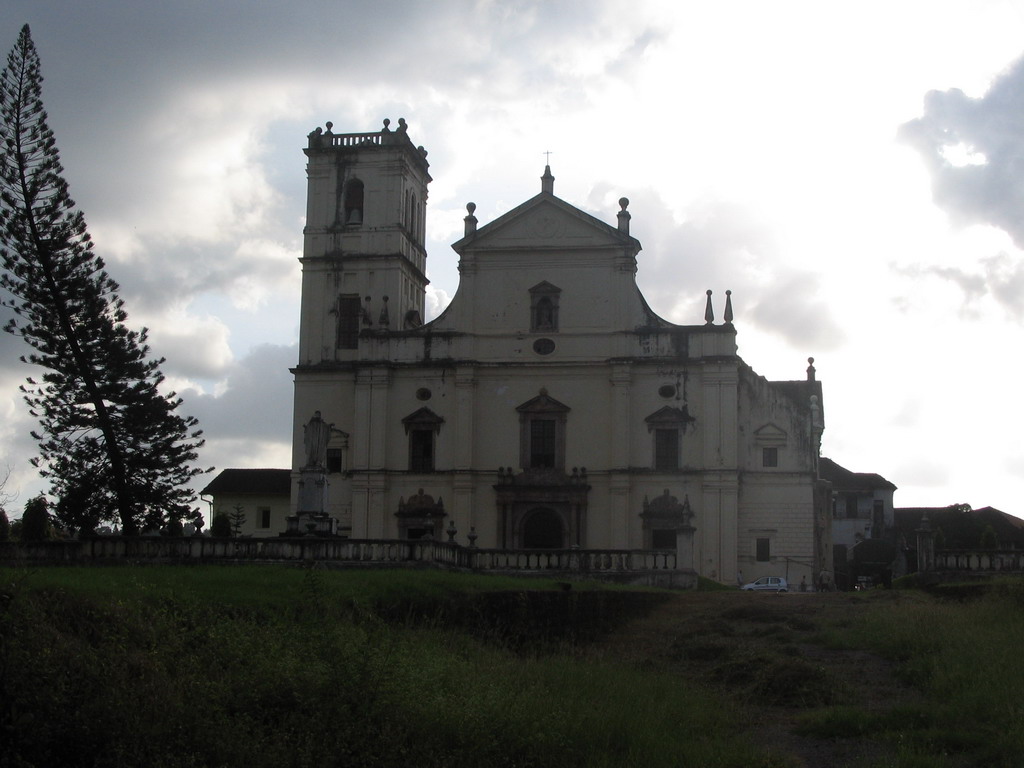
{"type": "Point", "coordinates": [543, 529]}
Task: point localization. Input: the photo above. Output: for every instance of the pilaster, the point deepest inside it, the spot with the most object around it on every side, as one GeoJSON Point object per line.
{"type": "Point", "coordinates": [623, 521]}
{"type": "Point", "coordinates": [720, 391]}
{"type": "Point", "coordinates": [621, 381]}
{"type": "Point", "coordinates": [378, 426]}
{"type": "Point", "coordinates": [718, 531]}
{"type": "Point", "coordinates": [462, 507]}
{"type": "Point", "coordinates": [465, 390]}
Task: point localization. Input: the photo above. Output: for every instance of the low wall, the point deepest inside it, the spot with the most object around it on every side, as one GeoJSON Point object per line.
{"type": "Point", "coordinates": [652, 567]}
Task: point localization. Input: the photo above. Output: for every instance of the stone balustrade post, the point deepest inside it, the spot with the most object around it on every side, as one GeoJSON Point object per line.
{"type": "Point", "coordinates": [684, 548]}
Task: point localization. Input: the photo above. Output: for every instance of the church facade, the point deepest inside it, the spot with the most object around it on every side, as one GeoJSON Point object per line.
{"type": "Point", "coordinates": [548, 406]}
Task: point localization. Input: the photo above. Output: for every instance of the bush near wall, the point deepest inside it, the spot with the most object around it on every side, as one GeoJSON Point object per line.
{"type": "Point", "coordinates": [35, 521]}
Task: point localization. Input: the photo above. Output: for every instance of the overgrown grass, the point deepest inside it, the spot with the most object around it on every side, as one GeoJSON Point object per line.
{"type": "Point", "coordinates": [268, 586]}
{"type": "Point", "coordinates": [260, 667]}
{"type": "Point", "coordinates": [964, 657]}
{"type": "Point", "coordinates": [710, 585]}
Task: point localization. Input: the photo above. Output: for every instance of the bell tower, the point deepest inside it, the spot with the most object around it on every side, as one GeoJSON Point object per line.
{"type": "Point", "coordinates": [363, 255]}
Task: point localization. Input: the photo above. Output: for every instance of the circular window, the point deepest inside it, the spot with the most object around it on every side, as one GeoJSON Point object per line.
{"type": "Point", "coordinates": [422, 393]}
{"type": "Point", "coordinates": [667, 390]}
{"type": "Point", "coordinates": [544, 346]}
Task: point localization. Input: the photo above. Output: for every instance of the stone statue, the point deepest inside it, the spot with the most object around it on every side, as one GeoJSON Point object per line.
{"type": "Point", "coordinates": [316, 433]}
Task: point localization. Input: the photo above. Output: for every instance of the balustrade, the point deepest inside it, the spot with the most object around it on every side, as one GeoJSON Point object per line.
{"type": "Point", "coordinates": [353, 139]}
{"type": "Point", "coordinates": [978, 561]}
{"type": "Point", "coordinates": [382, 551]}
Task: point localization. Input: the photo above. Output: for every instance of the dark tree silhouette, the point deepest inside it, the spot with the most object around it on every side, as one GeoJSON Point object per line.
{"type": "Point", "coordinates": [221, 525]}
{"type": "Point", "coordinates": [113, 447]}
{"type": "Point", "coordinates": [237, 517]}
{"type": "Point", "coordinates": [35, 521]}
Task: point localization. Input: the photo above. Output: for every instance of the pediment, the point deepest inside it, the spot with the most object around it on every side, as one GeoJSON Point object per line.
{"type": "Point", "coordinates": [543, 403]}
{"type": "Point", "coordinates": [770, 434]}
{"type": "Point", "coordinates": [424, 418]}
{"type": "Point", "coordinates": [545, 221]}
{"type": "Point", "coordinates": [668, 416]}
{"type": "Point", "coordinates": [544, 288]}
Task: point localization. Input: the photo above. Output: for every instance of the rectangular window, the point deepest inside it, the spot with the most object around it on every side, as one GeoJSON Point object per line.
{"type": "Point", "coordinates": [764, 550]}
{"type": "Point", "coordinates": [662, 538]}
{"type": "Point", "coordinates": [349, 312]}
{"type": "Point", "coordinates": [334, 460]}
{"type": "Point", "coordinates": [542, 443]}
{"type": "Point", "coordinates": [263, 513]}
{"type": "Point", "coordinates": [421, 450]}
{"type": "Point", "coordinates": [769, 457]}
{"type": "Point", "coordinates": [666, 449]}
{"type": "Point", "coordinates": [877, 519]}
{"type": "Point", "coordinates": [851, 506]}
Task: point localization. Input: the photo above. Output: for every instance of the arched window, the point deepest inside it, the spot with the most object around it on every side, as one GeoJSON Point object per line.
{"type": "Point", "coordinates": [413, 228]}
{"type": "Point", "coordinates": [350, 312]}
{"type": "Point", "coordinates": [544, 307]}
{"type": "Point", "coordinates": [354, 202]}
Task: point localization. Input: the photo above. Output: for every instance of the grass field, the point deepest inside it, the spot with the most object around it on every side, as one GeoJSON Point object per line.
{"type": "Point", "coordinates": [261, 666]}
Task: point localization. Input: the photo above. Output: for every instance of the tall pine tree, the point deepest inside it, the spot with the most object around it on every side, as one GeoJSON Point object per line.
{"type": "Point", "coordinates": [113, 447]}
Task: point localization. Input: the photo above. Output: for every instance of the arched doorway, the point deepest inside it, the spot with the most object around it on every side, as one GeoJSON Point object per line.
{"type": "Point", "coordinates": [543, 529]}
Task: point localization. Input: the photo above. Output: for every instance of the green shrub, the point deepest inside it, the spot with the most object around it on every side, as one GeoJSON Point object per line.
{"type": "Point", "coordinates": [710, 585]}
{"type": "Point", "coordinates": [35, 521]}
{"type": "Point", "coordinates": [5, 525]}
{"type": "Point", "coordinates": [221, 525]}
{"type": "Point", "coordinates": [910, 581]}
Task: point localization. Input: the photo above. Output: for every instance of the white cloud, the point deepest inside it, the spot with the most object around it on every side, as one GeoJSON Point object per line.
{"type": "Point", "coordinates": [437, 301]}
{"type": "Point", "coordinates": [974, 149]}
{"type": "Point", "coordinates": [756, 145]}
{"type": "Point", "coordinates": [264, 268]}
{"type": "Point", "coordinates": [1000, 276]}
{"type": "Point", "coordinates": [195, 346]}
{"type": "Point", "coordinates": [254, 403]}
{"type": "Point", "coordinates": [923, 472]}
{"type": "Point", "coordinates": [721, 245]}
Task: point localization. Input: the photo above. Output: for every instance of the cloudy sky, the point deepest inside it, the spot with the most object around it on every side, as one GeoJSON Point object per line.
{"type": "Point", "coordinates": [854, 173]}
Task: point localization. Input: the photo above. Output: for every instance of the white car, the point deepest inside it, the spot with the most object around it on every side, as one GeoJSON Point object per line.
{"type": "Point", "coordinates": [767, 584]}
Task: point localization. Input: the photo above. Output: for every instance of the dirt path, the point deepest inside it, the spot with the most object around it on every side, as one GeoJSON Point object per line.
{"type": "Point", "coordinates": [765, 652]}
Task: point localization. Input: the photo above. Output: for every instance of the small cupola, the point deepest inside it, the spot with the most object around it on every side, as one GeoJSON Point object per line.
{"type": "Point", "coordinates": [547, 181]}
